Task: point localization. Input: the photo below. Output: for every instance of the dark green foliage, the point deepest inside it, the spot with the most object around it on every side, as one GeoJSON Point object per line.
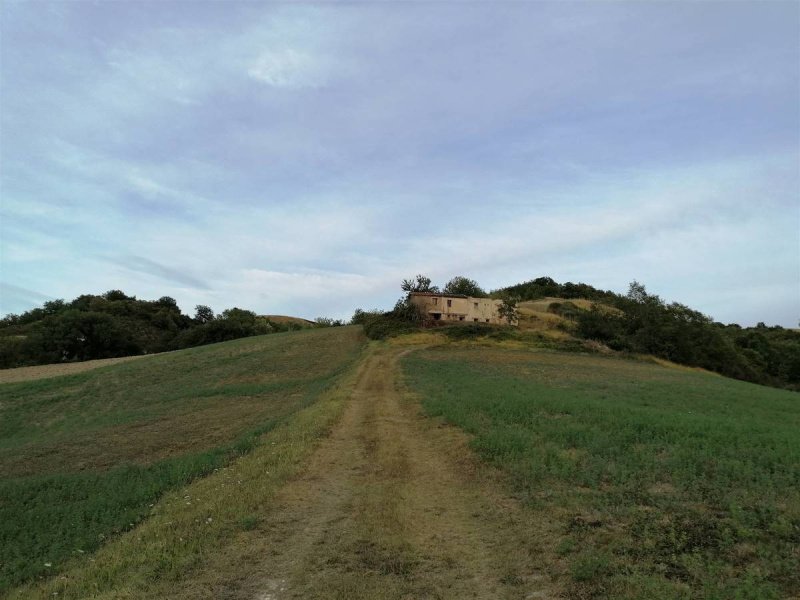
{"type": "Point", "coordinates": [218, 330]}
{"type": "Point", "coordinates": [80, 335]}
{"type": "Point", "coordinates": [667, 483]}
{"type": "Point", "coordinates": [476, 330]}
{"type": "Point", "coordinates": [115, 324]}
{"type": "Point", "coordinates": [508, 309]}
{"type": "Point", "coordinates": [328, 322]}
{"type": "Point", "coordinates": [565, 309]}
{"type": "Point", "coordinates": [361, 316]}
{"type": "Point", "coordinates": [404, 318]}
{"type": "Point", "coordinates": [387, 325]}
{"type": "Point", "coordinates": [544, 287]}
{"type": "Point", "coordinates": [203, 314]}
{"type": "Point", "coordinates": [464, 286]}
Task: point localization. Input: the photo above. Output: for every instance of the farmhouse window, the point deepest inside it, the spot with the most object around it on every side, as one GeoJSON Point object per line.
{"type": "Point", "coordinates": [449, 303]}
{"type": "Point", "coordinates": [476, 304]}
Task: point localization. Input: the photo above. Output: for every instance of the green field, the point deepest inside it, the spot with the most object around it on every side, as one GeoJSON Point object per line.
{"type": "Point", "coordinates": [84, 457]}
{"type": "Point", "coordinates": [662, 482]}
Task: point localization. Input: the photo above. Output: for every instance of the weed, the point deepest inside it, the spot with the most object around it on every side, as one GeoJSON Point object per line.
{"type": "Point", "coordinates": [248, 523]}
{"type": "Point", "coordinates": [588, 567]}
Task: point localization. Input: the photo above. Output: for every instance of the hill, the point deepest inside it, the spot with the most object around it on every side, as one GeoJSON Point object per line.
{"type": "Point", "coordinates": [579, 316]}
{"type": "Point", "coordinates": [85, 456]}
{"type": "Point", "coordinates": [643, 323]}
{"type": "Point", "coordinates": [438, 465]}
{"type": "Point", "coordinates": [284, 319]}
{"type": "Point", "coordinates": [114, 324]}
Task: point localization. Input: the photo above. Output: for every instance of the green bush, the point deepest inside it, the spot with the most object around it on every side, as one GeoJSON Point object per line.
{"type": "Point", "coordinates": [477, 330]}
{"type": "Point", "coordinates": [114, 324]}
{"type": "Point", "coordinates": [387, 325]}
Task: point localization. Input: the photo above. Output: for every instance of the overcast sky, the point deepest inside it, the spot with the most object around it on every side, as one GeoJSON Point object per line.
{"type": "Point", "coordinates": [303, 158]}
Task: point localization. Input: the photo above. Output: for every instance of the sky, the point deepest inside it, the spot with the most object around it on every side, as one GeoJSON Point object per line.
{"type": "Point", "coordinates": [303, 159]}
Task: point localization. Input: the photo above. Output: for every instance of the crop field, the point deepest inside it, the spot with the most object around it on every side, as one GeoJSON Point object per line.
{"type": "Point", "coordinates": [663, 482]}
{"type": "Point", "coordinates": [84, 456]}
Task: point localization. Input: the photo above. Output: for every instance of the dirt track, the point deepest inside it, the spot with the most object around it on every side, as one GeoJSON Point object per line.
{"type": "Point", "coordinates": [391, 505]}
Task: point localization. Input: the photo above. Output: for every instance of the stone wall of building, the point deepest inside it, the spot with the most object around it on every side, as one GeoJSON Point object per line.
{"type": "Point", "coordinates": [442, 307]}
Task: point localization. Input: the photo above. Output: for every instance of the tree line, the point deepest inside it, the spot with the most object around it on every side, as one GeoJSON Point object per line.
{"type": "Point", "coordinates": [640, 322]}
{"type": "Point", "coordinates": [114, 324]}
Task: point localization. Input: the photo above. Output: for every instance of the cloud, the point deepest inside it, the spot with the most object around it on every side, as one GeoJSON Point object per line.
{"type": "Point", "coordinates": [288, 69]}
{"type": "Point", "coordinates": [12, 296]}
{"type": "Point", "coordinates": [172, 275]}
{"type": "Point", "coordinates": [306, 158]}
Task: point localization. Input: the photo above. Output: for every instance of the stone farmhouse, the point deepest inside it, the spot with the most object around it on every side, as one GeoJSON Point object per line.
{"type": "Point", "coordinates": [451, 307]}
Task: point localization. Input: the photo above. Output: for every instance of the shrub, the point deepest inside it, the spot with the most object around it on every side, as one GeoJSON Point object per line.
{"type": "Point", "coordinates": [477, 330]}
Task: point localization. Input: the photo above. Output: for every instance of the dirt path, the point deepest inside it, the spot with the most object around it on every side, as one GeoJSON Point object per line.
{"type": "Point", "coordinates": [391, 505]}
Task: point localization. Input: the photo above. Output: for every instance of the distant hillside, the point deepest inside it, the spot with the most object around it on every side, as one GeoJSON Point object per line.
{"type": "Point", "coordinates": [114, 324]}
{"type": "Point", "coordinates": [283, 319]}
{"type": "Point", "coordinates": [640, 322]}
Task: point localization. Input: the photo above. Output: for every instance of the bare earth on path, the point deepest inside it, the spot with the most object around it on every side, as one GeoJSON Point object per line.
{"type": "Point", "coordinates": [390, 505]}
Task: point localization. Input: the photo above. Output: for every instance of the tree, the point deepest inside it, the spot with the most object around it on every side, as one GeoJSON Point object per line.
{"type": "Point", "coordinates": [508, 309]}
{"type": "Point", "coordinates": [328, 322]}
{"type": "Point", "coordinates": [361, 316]}
{"type": "Point", "coordinates": [637, 292]}
{"type": "Point", "coordinates": [203, 313]}
{"type": "Point", "coordinates": [53, 307]}
{"type": "Point", "coordinates": [81, 335]}
{"type": "Point", "coordinates": [464, 286]}
{"type": "Point", "coordinates": [116, 295]}
{"type": "Point", "coordinates": [420, 283]}
{"type": "Point", "coordinates": [246, 317]}
{"type": "Point", "coordinates": [167, 301]}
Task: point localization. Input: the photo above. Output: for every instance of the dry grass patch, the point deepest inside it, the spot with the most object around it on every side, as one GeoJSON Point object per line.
{"type": "Point", "coordinates": [46, 371]}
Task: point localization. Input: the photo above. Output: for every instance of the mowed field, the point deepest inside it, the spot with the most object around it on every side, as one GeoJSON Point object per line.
{"type": "Point", "coordinates": [658, 482]}
{"type": "Point", "coordinates": [86, 456]}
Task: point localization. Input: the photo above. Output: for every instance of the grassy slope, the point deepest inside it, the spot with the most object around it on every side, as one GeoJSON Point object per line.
{"type": "Point", "coordinates": [667, 483]}
{"type": "Point", "coordinates": [85, 456]}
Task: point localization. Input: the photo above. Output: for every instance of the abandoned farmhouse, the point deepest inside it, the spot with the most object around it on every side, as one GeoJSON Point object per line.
{"type": "Point", "coordinates": [446, 307]}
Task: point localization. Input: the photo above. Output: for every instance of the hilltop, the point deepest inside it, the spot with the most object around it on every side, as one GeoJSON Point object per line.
{"type": "Point", "coordinates": [577, 315]}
